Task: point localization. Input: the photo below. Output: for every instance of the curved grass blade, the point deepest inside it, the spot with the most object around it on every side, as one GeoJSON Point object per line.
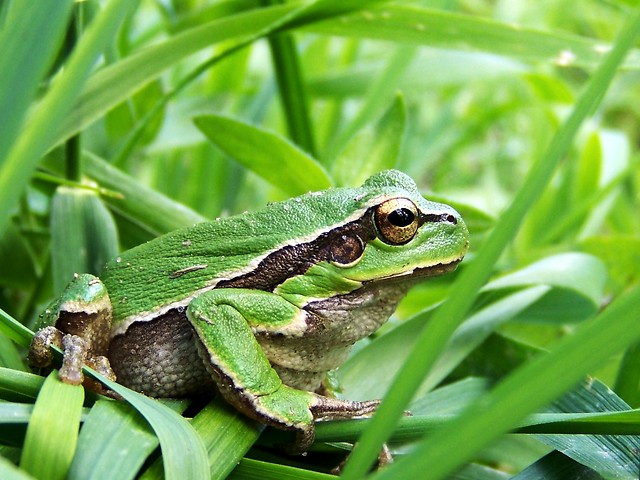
{"type": "Point", "coordinates": [227, 434]}
{"type": "Point", "coordinates": [183, 453]}
{"type": "Point", "coordinates": [111, 429]}
{"type": "Point", "coordinates": [52, 433]}
{"type": "Point", "coordinates": [255, 469]}
{"type": "Point", "coordinates": [416, 25]}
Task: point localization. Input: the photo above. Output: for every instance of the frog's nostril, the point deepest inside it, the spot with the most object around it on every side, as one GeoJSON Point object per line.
{"type": "Point", "coordinates": [447, 217]}
{"type": "Point", "coordinates": [437, 218]}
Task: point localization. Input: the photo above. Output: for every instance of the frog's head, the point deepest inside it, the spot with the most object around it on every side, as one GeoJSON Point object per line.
{"type": "Point", "coordinates": [391, 234]}
{"type": "Point", "coordinates": [402, 233]}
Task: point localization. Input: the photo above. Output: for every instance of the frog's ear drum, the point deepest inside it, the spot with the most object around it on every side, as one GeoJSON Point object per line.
{"type": "Point", "coordinates": [347, 250]}
{"type": "Point", "coordinates": [397, 220]}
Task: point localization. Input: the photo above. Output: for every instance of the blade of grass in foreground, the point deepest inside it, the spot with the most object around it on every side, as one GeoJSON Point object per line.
{"type": "Point", "coordinates": [433, 338]}
{"type": "Point", "coordinates": [183, 453]}
{"type": "Point", "coordinates": [53, 430]}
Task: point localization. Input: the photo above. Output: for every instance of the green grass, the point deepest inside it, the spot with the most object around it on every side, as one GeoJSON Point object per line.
{"type": "Point", "coordinates": [125, 120]}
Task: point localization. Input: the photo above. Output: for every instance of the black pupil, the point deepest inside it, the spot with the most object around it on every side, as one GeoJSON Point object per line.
{"type": "Point", "coordinates": [401, 217]}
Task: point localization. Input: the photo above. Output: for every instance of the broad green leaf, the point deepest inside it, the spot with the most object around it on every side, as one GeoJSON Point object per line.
{"type": "Point", "coordinates": [578, 272]}
{"type": "Point", "coordinates": [621, 253]}
{"type": "Point", "coordinates": [52, 434]}
{"type": "Point", "coordinates": [270, 156]}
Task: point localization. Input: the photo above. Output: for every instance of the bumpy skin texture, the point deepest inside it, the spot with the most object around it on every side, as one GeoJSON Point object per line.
{"type": "Point", "coordinates": [260, 306]}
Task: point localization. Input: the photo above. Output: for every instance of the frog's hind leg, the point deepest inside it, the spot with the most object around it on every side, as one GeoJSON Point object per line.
{"type": "Point", "coordinates": [78, 323]}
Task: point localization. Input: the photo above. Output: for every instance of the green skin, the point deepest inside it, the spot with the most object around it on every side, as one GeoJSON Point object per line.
{"type": "Point", "coordinates": [260, 306]}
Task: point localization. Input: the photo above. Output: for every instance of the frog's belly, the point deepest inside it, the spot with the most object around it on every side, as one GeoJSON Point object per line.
{"type": "Point", "coordinates": [160, 359]}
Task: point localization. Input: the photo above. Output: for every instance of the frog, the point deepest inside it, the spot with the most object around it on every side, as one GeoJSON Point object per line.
{"type": "Point", "coordinates": [257, 307]}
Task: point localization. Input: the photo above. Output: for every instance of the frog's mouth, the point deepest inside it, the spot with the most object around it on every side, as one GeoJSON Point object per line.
{"type": "Point", "coordinates": [417, 274]}
{"type": "Point", "coordinates": [435, 270]}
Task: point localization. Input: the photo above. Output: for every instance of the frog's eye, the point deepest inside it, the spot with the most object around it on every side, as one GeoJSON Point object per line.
{"type": "Point", "coordinates": [397, 220]}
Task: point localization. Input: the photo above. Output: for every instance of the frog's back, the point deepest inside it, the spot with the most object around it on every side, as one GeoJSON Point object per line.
{"type": "Point", "coordinates": [168, 271]}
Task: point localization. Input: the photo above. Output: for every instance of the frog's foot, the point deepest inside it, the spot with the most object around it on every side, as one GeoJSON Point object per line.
{"type": "Point", "coordinates": [40, 356]}
{"type": "Point", "coordinates": [75, 355]}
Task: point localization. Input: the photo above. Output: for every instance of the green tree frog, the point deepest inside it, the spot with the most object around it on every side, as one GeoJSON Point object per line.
{"type": "Point", "coordinates": [259, 306]}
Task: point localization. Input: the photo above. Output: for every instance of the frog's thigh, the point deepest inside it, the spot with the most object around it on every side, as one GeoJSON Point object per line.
{"type": "Point", "coordinates": [221, 319]}
{"type": "Point", "coordinates": [79, 323]}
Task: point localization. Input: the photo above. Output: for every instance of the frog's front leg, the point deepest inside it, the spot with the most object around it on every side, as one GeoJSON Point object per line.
{"type": "Point", "coordinates": [79, 323]}
{"type": "Point", "coordinates": [223, 321]}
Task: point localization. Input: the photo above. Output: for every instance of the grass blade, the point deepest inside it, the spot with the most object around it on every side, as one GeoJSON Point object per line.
{"type": "Point", "coordinates": [56, 415]}
{"type": "Point", "coordinates": [83, 235]}
{"type": "Point", "coordinates": [293, 93]}
{"type": "Point", "coordinates": [110, 429]}
{"type": "Point", "coordinates": [183, 453]}
{"type": "Point", "coordinates": [415, 25]}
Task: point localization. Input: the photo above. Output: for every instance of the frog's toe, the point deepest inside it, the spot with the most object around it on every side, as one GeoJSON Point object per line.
{"type": "Point", "coordinates": [75, 354]}
{"type": "Point", "coordinates": [40, 355]}
{"type": "Point", "coordinates": [327, 408]}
